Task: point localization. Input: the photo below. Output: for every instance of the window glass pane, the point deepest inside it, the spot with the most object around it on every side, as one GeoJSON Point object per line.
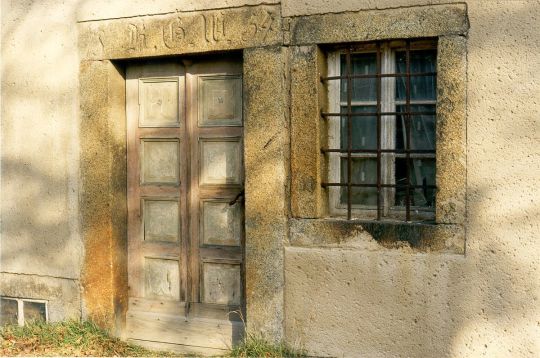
{"type": "Point", "coordinates": [422, 87]}
{"type": "Point", "coordinates": [364, 171]}
{"type": "Point", "coordinates": [34, 311]}
{"type": "Point", "coordinates": [422, 128]}
{"type": "Point", "coordinates": [363, 89]}
{"type": "Point", "coordinates": [8, 311]}
{"type": "Point", "coordinates": [364, 128]}
{"type": "Point", "coordinates": [422, 173]}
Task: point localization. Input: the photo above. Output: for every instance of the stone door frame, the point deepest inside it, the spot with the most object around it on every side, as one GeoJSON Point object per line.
{"type": "Point", "coordinates": [104, 46]}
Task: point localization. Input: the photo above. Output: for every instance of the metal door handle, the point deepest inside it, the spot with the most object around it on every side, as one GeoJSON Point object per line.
{"type": "Point", "coordinates": [236, 198]}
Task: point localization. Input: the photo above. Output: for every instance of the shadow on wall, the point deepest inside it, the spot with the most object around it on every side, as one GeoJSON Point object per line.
{"type": "Point", "coordinates": [400, 304]}
{"type": "Point", "coordinates": [39, 140]}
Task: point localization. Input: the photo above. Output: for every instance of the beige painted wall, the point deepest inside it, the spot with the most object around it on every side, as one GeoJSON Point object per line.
{"type": "Point", "coordinates": [387, 303]}
{"type": "Point", "coordinates": [349, 301]}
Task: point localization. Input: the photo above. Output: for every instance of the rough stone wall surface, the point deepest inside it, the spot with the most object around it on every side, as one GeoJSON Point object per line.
{"type": "Point", "coordinates": [345, 301]}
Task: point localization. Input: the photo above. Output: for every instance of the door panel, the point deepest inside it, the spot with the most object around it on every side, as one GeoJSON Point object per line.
{"type": "Point", "coordinates": [161, 101]}
{"type": "Point", "coordinates": [221, 283]}
{"type": "Point", "coordinates": [160, 161]}
{"type": "Point", "coordinates": [161, 220]}
{"type": "Point", "coordinates": [220, 101]}
{"type": "Point", "coordinates": [185, 203]}
{"type": "Point", "coordinates": [221, 223]}
{"type": "Point", "coordinates": [220, 161]}
{"type": "Point", "coordinates": [161, 278]}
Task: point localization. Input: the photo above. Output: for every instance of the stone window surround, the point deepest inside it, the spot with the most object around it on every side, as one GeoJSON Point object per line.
{"type": "Point", "coordinates": [273, 47]}
{"type": "Point", "coordinates": [309, 200]}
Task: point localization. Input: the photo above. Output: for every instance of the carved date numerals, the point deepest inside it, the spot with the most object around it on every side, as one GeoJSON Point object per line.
{"type": "Point", "coordinates": [259, 25]}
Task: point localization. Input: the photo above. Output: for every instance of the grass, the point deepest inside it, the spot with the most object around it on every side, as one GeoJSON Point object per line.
{"type": "Point", "coordinates": [254, 346]}
{"type": "Point", "coordinates": [74, 338]}
{"type": "Point", "coordinates": [69, 338]}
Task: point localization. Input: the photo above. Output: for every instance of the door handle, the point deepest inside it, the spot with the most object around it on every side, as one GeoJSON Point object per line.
{"type": "Point", "coordinates": [236, 198]}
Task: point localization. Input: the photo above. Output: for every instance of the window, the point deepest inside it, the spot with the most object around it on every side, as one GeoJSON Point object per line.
{"type": "Point", "coordinates": [381, 121]}
{"type": "Point", "coordinates": [20, 311]}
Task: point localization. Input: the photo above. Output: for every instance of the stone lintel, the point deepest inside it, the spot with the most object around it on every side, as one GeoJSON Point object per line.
{"type": "Point", "coordinates": [181, 33]}
{"type": "Point", "coordinates": [410, 22]}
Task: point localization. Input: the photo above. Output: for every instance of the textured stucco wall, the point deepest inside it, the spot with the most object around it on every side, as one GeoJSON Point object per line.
{"type": "Point", "coordinates": [39, 154]}
{"type": "Point", "coordinates": [378, 302]}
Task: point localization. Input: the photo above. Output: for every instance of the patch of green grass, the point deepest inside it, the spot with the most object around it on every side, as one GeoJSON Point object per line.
{"type": "Point", "coordinates": [254, 346]}
{"type": "Point", "coordinates": [69, 338]}
{"type": "Point", "coordinates": [74, 338]}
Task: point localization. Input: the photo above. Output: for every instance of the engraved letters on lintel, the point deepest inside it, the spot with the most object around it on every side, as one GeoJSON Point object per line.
{"type": "Point", "coordinates": [137, 37]}
{"type": "Point", "coordinates": [214, 28]}
{"type": "Point", "coordinates": [174, 34]}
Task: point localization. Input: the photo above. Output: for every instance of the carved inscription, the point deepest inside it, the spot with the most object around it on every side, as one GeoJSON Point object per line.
{"type": "Point", "coordinates": [259, 25]}
{"type": "Point", "coordinates": [182, 32]}
{"type": "Point", "coordinates": [137, 37]}
{"type": "Point", "coordinates": [214, 28]}
{"type": "Point", "coordinates": [174, 33]}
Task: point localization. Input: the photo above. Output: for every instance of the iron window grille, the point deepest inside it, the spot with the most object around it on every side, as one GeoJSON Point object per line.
{"type": "Point", "coordinates": [385, 90]}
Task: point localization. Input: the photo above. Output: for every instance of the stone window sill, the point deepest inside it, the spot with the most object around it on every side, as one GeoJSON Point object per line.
{"type": "Point", "coordinates": [378, 235]}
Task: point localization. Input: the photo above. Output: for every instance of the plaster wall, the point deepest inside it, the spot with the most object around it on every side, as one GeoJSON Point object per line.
{"type": "Point", "coordinates": [375, 302]}
{"type": "Point", "coordinates": [40, 252]}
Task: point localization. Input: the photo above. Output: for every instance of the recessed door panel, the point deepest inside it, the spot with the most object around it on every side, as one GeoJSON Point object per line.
{"type": "Point", "coordinates": [221, 284]}
{"type": "Point", "coordinates": [220, 101]}
{"type": "Point", "coordinates": [160, 161]}
{"type": "Point", "coordinates": [221, 161]}
{"type": "Point", "coordinates": [161, 220]}
{"type": "Point", "coordinates": [161, 279]}
{"type": "Point", "coordinates": [160, 103]}
{"type": "Point", "coordinates": [221, 223]}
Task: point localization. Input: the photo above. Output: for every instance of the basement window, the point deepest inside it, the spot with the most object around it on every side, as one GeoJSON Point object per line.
{"type": "Point", "coordinates": [20, 311]}
{"type": "Point", "coordinates": [381, 123]}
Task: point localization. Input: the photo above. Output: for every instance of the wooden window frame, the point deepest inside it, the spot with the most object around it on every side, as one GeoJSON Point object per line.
{"type": "Point", "coordinates": [388, 103]}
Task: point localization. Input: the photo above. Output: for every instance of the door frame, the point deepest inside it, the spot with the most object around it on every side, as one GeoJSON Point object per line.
{"type": "Point", "coordinates": [102, 131]}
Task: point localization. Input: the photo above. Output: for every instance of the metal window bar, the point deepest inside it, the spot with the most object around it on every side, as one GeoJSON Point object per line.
{"type": "Point", "coordinates": [349, 135]}
{"type": "Point", "coordinates": [408, 129]}
{"type": "Point", "coordinates": [379, 75]}
{"type": "Point", "coordinates": [379, 71]}
{"type": "Point", "coordinates": [371, 114]}
{"type": "Point", "coordinates": [407, 116]}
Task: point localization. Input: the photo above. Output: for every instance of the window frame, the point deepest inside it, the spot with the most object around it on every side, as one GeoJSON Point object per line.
{"type": "Point", "coordinates": [312, 37]}
{"type": "Point", "coordinates": [21, 320]}
{"type": "Point", "coordinates": [385, 102]}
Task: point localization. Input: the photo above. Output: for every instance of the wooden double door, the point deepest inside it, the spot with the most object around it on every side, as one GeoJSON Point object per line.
{"type": "Point", "coordinates": [185, 201]}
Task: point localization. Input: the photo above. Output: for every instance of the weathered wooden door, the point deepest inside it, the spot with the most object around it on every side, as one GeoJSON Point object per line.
{"type": "Point", "coordinates": [185, 203]}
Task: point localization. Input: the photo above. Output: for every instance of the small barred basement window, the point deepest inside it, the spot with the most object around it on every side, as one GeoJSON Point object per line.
{"type": "Point", "coordinates": [20, 311]}
{"type": "Point", "coordinates": [381, 121]}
